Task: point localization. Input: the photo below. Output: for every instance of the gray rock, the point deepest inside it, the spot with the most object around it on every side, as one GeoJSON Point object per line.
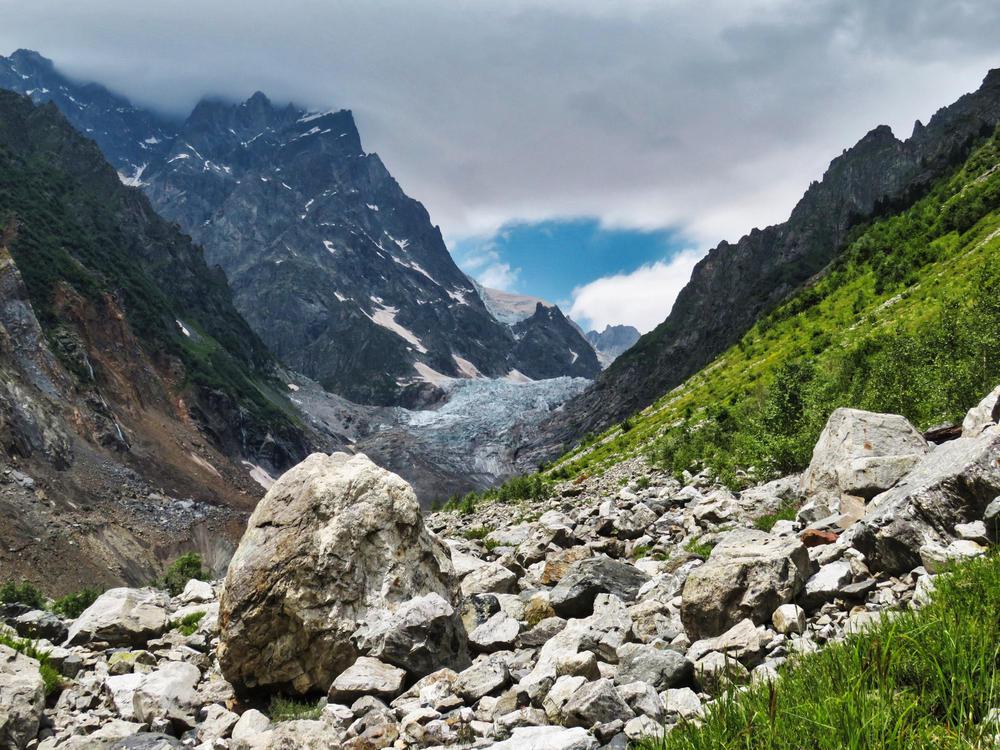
{"type": "Point", "coordinates": [826, 584]}
{"type": "Point", "coordinates": [991, 517]}
{"type": "Point", "coordinates": [168, 692]}
{"type": "Point", "coordinates": [421, 635]}
{"type": "Point", "coordinates": [748, 575]}
{"type": "Point", "coordinates": [715, 672]}
{"type": "Point", "coordinates": [789, 618]}
{"type": "Point", "coordinates": [596, 702]}
{"type": "Point", "coordinates": [122, 617]}
{"type": "Point", "coordinates": [982, 416]}
{"type": "Point", "coordinates": [937, 557]}
{"type": "Point", "coordinates": [367, 676]}
{"type": "Point", "coordinates": [862, 453]}
{"type": "Point", "coordinates": [22, 699]}
{"type": "Point", "coordinates": [558, 695]}
{"type": "Point", "coordinates": [217, 722]}
{"type": "Point", "coordinates": [38, 624]}
{"type": "Point", "coordinates": [492, 578]}
{"type": "Point", "coordinates": [660, 668]}
{"type": "Point", "coordinates": [954, 484]}
{"type": "Point", "coordinates": [482, 678]}
{"type": "Point", "coordinates": [334, 539]}
{"type": "Point", "coordinates": [585, 579]}
{"type": "Point", "coordinates": [498, 632]}
{"type": "Point", "coordinates": [250, 724]}
{"type": "Point", "coordinates": [148, 741]}
{"type": "Point", "coordinates": [683, 702]}
{"type": "Point", "coordinates": [547, 738]}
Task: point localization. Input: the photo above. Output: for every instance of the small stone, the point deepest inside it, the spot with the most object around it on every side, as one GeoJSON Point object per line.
{"type": "Point", "coordinates": [367, 676]}
{"type": "Point", "coordinates": [789, 618]}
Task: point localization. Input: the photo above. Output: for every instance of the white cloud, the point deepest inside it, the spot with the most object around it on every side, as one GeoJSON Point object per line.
{"type": "Point", "coordinates": [710, 117]}
{"type": "Point", "coordinates": [499, 276]}
{"type": "Point", "coordinates": [642, 298]}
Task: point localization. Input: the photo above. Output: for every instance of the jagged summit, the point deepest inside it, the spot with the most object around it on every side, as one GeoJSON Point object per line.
{"type": "Point", "coordinates": [341, 273]}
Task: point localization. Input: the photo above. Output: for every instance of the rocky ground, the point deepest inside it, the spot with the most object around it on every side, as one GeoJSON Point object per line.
{"type": "Point", "coordinates": [611, 611]}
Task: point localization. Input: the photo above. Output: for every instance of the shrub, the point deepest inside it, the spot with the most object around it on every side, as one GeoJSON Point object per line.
{"type": "Point", "coordinates": [182, 570]}
{"type": "Point", "coordinates": [697, 547]}
{"type": "Point", "coordinates": [22, 593]}
{"type": "Point", "coordinates": [73, 605]}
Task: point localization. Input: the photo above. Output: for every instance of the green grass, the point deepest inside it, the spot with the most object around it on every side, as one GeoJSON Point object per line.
{"type": "Point", "coordinates": [906, 320]}
{"type": "Point", "coordinates": [925, 679]}
{"type": "Point", "coordinates": [290, 709]}
{"type": "Point", "coordinates": [188, 624]}
{"type": "Point", "coordinates": [697, 547]}
{"type": "Point", "coordinates": [50, 676]}
{"type": "Point", "coordinates": [785, 512]}
{"type": "Point", "coordinates": [515, 490]}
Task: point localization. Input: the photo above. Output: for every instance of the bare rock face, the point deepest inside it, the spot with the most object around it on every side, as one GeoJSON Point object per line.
{"type": "Point", "coordinates": [862, 453]}
{"type": "Point", "coordinates": [953, 485]}
{"type": "Point", "coordinates": [334, 539]}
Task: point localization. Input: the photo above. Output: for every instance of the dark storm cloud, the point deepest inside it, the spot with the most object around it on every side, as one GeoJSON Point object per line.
{"type": "Point", "coordinates": [707, 116]}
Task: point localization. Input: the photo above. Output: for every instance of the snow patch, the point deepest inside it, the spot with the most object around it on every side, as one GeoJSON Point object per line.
{"type": "Point", "coordinates": [372, 206]}
{"type": "Point", "coordinates": [467, 369]}
{"type": "Point", "coordinates": [516, 376]}
{"type": "Point", "coordinates": [340, 297]}
{"type": "Point", "coordinates": [385, 316]}
{"type": "Point", "coordinates": [329, 246]}
{"type": "Point", "coordinates": [292, 386]}
{"type": "Point", "coordinates": [152, 140]}
{"type": "Point", "coordinates": [135, 179]}
{"type": "Point", "coordinates": [179, 156]}
{"type": "Point", "coordinates": [183, 328]}
{"type": "Point", "coordinates": [430, 375]}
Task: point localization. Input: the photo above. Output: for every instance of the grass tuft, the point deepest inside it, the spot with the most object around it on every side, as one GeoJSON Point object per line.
{"type": "Point", "coordinates": [292, 709]}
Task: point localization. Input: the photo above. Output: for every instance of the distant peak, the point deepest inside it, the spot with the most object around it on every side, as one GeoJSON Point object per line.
{"type": "Point", "coordinates": [30, 57]}
{"type": "Point", "coordinates": [259, 99]}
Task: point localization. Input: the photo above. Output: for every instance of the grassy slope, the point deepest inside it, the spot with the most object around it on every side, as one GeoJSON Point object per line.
{"type": "Point", "coordinates": [925, 679]}
{"type": "Point", "coordinates": [907, 320]}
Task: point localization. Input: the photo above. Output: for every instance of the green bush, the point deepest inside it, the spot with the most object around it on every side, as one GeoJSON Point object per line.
{"type": "Point", "coordinates": [925, 679]}
{"type": "Point", "coordinates": [73, 605]}
{"type": "Point", "coordinates": [786, 512]}
{"type": "Point", "coordinates": [182, 570]}
{"type": "Point", "coordinates": [24, 592]}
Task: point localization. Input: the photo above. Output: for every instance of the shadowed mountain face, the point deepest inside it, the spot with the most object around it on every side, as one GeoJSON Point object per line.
{"type": "Point", "coordinates": [339, 272]}
{"type": "Point", "coordinates": [737, 283]}
{"type": "Point", "coordinates": [131, 390]}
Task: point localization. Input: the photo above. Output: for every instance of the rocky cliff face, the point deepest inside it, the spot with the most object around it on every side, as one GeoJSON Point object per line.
{"type": "Point", "coordinates": [736, 283]}
{"type": "Point", "coordinates": [340, 273]}
{"type": "Point", "coordinates": [131, 388]}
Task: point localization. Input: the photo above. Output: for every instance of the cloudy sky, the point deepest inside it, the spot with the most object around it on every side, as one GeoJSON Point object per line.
{"type": "Point", "coordinates": [587, 151]}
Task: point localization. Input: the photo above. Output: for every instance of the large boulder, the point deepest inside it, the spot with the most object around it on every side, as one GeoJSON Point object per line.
{"type": "Point", "coordinates": [22, 699]}
{"type": "Point", "coordinates": [749, 574]}
{"type": "Point", "coordinates": [574, 595]}
{"type": "Point", "coordinates": [952, 485]}
{"type": "Point", "coordinates": [335, 539]}
{"type": "Point", "coordinates": [122, 617]}
{"type": "Point", "coordinates": [862, 453]}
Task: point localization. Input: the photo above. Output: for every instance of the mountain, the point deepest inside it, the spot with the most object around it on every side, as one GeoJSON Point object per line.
{"type": "Point", "coordinates": [612, 342]}
{"type": "Point", "coordinates": [131, 390]}
{"type": "Point", "coordinates": [339, 272]}
{"type": "Point", "coordinates": [905, 320]}
{"type": "Point", "coordinates": [736, 284]}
